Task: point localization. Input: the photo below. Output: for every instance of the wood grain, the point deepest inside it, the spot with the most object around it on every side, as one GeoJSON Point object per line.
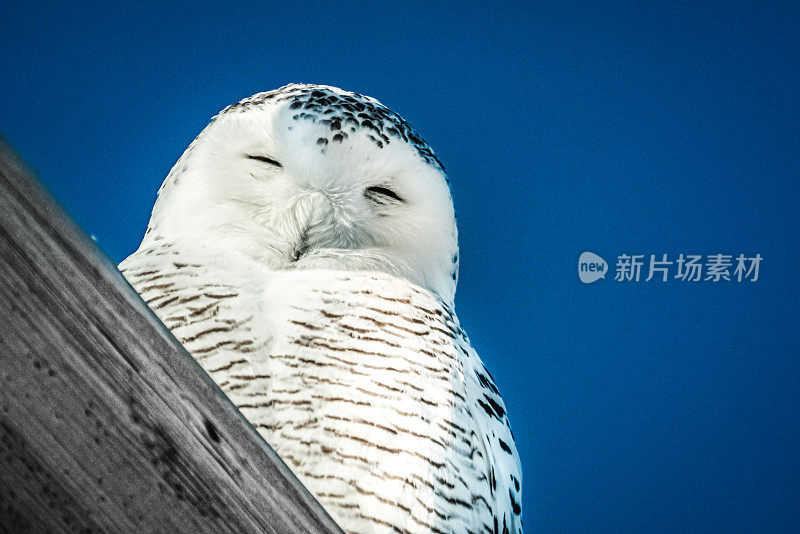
{"type": "Point", "coordinates": [106, 423]}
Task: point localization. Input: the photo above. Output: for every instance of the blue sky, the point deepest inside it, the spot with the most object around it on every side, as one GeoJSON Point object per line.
{"type": "Point", "coordinates": [627, 128]}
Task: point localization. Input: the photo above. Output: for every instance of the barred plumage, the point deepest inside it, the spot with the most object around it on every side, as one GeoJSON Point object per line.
{"type": "Point", "coordinates": [363, 381]}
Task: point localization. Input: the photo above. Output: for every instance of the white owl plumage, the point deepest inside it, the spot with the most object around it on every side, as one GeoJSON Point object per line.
{"type": "Point", "coordinates": [304, 250]}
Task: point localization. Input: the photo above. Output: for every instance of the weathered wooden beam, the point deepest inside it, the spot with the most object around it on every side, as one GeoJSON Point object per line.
{"type": "Point", "coordinates": [106, 423]}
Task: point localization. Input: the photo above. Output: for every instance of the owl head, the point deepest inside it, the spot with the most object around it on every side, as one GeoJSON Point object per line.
{"type": "Point", "coordinates": [313, 177]}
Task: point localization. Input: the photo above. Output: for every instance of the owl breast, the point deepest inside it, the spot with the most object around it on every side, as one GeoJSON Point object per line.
{"type": "Point", "coordinates": [355, 379]}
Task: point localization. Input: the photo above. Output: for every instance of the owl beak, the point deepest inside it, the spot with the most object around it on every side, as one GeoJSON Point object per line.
{"type": "Point", "coordinates": [313, 204]}
{"type": "Point", "coordinates": [300, 248]}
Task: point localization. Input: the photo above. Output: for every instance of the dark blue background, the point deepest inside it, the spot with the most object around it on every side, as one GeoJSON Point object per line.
{"type": "Point", "coordinates": [618, 129]}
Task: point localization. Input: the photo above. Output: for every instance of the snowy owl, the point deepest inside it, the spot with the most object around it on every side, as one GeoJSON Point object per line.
{"type": "Point", "coordinates": [304, 250]}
